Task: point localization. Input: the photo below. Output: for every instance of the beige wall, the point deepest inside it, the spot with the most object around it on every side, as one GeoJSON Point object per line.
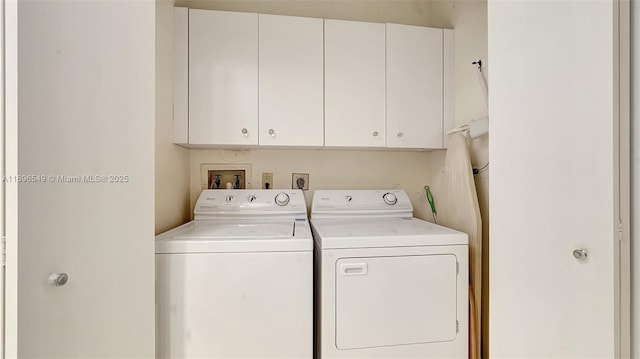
{"type": "Point", "coordinates": [172, 162]}
{"type": "Point", "coordinates": [339, 169]}
{"type": "Point", "coordinates": [329, 169]}
{"type": "Point", "coordinates": [399, 11]}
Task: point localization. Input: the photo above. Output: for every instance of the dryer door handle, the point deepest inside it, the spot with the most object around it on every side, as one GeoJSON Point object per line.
{"type": "Point", "coordinates": [353, 268]}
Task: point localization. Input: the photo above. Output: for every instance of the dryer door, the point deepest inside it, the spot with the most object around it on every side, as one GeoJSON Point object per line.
{"type": "Point", "coordinates": [397, 300]}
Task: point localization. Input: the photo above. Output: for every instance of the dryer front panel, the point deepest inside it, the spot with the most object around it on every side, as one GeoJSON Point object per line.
{"type": "Point", "coordinates": [395, 300]}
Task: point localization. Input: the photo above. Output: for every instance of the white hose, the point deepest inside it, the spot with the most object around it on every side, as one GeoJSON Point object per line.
{"type": "Point", "coordinates": [483, 85]}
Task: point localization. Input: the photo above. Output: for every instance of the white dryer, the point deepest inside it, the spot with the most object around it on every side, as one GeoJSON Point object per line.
{"type": "Point", "coordinates": [387, 285]}
{"type": "Point", "coordinates": [237, 282]}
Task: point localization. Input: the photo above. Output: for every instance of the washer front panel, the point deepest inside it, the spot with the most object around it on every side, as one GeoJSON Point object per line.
{"type": "Point", "coordinates": [235, 305]}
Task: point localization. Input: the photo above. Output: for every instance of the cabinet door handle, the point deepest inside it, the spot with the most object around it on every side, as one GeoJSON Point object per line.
{"type": "Point", "coordinates": [580, 254]}
{"type": "Point", "coordinates": [245, 132]}
{"type": "Point", "coordinates": [375, 133]}
{"type": "Point", "coordinates": [58, 279]}
{"type": "Point", "coordinates": [272, 133]}
{"type": "Point", "coordinates": [400, 134]}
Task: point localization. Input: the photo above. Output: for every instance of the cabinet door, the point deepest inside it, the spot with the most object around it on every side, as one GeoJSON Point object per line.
{"type": "Point", "coordinates": [223, 78]}
{"type": "Point", "coordinates": [354, 84]}
{"type": "Point", "coordinates": [291, 81]}
{"type": "Point", "coordinates": [555, 107]}
{"type": "Point", "coordinates": [180, 75]}
{"type": "Point", "coordinates": [414, 87]}
{"type": "Point", "coordinates": [80, 114]}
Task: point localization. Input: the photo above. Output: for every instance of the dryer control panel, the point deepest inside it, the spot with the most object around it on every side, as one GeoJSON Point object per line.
{"type": "Point", "coordinates": [260, 202]}
{"type": "Point", "coordinates": [357, 203]}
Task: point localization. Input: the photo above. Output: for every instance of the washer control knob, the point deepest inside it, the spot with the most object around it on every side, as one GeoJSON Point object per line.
{"type": "Point", "coordinates": [251, 198]}
{"type": "Point", "coordinates": [390, 198]}
{"type": "Point", "coordinates": [282, 199]}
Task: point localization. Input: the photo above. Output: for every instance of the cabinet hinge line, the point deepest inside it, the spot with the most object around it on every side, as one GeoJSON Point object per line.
{"type": "Point", "coordinates": [457, 267]}
{"type": "Point", "coordinates": [457, 326]}
{"type": "Point", "coordinates": [620, 230]}
{"type": "Point", "coordinates": [3, 251]}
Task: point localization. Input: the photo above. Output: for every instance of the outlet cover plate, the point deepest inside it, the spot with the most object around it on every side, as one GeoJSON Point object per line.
{"type": "Point", "coordinates": [303, 177]}
{"type": "Point", "coordinates": [267, 177]}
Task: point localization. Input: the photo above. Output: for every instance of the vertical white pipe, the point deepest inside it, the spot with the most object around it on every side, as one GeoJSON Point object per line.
{"type": "Point", "coordinates": [9, 100]}
{"type": "Point", "coordinates": [485, 92]}
{"type": "Point", "coordinates": [635, 167]}
{"type": "Point", "coordinates": [483, 85]}
{"type": "Point", "coordinates": [2, 173]}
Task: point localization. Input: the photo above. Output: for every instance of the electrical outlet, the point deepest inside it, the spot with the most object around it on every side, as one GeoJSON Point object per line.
{"type": "Point", "coordinates": [267, 180]}
{"type": "Point", "coordinates": [300, 181]}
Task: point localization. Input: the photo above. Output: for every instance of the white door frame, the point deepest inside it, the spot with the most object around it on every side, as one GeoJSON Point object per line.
{"type": "Point", "coordinates": [624, 179]}
{"type": "Point", "coordinates": [2, 174]}
{"type": "Point", "coordinates": [634, 218]}
{"type": "Point", "coordinates": [8, 98]}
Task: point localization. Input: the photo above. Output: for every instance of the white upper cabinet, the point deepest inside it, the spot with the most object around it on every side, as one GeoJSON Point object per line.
{"type": "Point", "coordinates": [354, 84]}
{"type": "Point", "coordinates": [414, 86]}
{"type": "Point", "coordinates": [290, 81]}
{"type": "Point", "coordinates": [246, 79]}
{"type": "Point", "coordinates": [223, 78]}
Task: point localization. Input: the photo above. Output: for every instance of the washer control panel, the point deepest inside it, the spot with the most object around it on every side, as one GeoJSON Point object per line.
{"type": "Point", "coordinates": [394, 203]}
{"type": "Point", "coordinates": [242, 202]}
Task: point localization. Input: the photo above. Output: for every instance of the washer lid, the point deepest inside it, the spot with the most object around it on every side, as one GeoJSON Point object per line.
{"type": "Point", "coordinates": [215, 236]}
{"type": "Point", "coordinates": [383, 232]}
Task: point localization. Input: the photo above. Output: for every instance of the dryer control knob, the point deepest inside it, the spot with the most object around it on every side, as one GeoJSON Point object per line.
{"type": "Point", "coordinates": [282, 199]}
{"type": "Point", "coordinates": [390, 199]}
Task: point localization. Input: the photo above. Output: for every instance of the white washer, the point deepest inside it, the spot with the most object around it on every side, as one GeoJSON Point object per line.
{"type": "Point", "coordinates": [237, 282]}
{"type": "Point", "coordinates": [388, 285]}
